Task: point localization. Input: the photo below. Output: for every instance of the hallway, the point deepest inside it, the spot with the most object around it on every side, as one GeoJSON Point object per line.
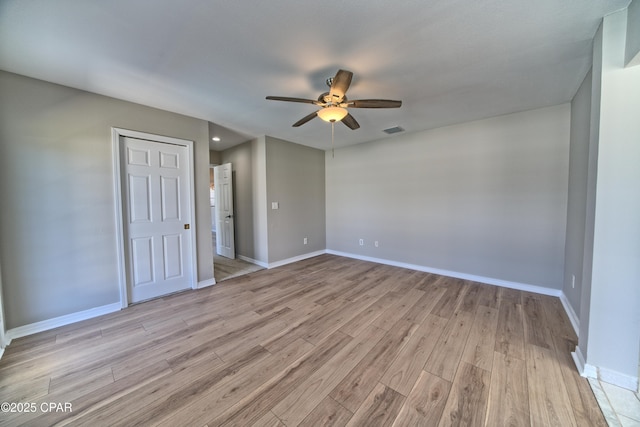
{"type": "Point", "coordinates": [225, 268]}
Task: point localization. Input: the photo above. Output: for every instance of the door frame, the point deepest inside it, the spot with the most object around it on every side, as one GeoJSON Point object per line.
{"type": "Point", "coordinates": [211, 166]}
{"type": "Point", "coordinates": [117, 135]}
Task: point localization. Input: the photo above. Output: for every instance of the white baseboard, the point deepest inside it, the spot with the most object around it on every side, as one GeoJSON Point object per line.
{"type": "Point", "coordinates": [573, 318]}
{"type": "Point", "coordinates": [295, 259]}
{"type": "Point", "coordinates": [586, 370]}
{"type": "Point", "coordinates": [253, 261]}
{"type": "Point", "coordinates": [578, 359]}
{"type": "Point", "coordinates": [589, 371]}
{"type": "Point", "coordinates": [5, 340]}
{"type": "Point", "coordinates": [56, 322]}
{"type": "Point", "coordinates": [205, 283]}
{"type": "Point", "coordinates": [488, 280]}
{"type": "Point", "coordinates": [629, 382]}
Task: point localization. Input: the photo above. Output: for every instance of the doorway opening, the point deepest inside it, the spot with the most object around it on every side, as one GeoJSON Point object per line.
{"type": "Point", "coordinates": [226, 265]}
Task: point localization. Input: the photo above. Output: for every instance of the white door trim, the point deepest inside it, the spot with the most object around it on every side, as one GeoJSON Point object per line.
{"type": "Point", "coordinates": [116, 140]}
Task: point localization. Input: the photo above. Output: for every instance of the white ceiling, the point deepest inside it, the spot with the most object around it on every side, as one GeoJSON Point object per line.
{"type": "Point", "coordinates": [449, 61]}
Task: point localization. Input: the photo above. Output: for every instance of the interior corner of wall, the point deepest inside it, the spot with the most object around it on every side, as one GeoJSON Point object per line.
{"type": "Point", "coordinates": [573, 317]}
{"type": "Point", "coordinates": [578, 359]}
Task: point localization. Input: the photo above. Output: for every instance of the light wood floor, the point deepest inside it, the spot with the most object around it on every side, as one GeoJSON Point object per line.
{"type": "Point", "coordinates": [225, 268]}
{"type": "Point", "coordinates": [325, 341]}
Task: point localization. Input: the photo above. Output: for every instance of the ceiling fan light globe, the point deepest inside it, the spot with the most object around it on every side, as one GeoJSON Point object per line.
{"type": "Point", "coordinates": [332, 114]}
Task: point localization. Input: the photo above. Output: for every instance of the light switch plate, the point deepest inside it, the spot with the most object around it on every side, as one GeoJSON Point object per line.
{"type": "Point", "coordinates": [274, 205]}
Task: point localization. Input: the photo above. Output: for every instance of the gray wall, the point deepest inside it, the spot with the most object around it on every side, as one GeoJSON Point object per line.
{"type": "Point", "coordinates": [260, 224]}
{"type": "Point", "coordinates": [296, 180]}
{"type": "Point", "coordinates": [242, 165]}
{"type": "Point", "coordinates": [577, 201]}
{"type": "Point", "coordinates": [632, 48]}
{"type": "Point", "coordinates": [270, 170]}
{"type": "Point", "coordinates": [609, 335]}
{"type": "Point", "coordinates": [215, 157]}
{"type": "Point", "coordinates": [592, 174]}
{"type": "Point", "coordinates": [57, 226]}
{"type": "Point", "coordinates": [485, 198]}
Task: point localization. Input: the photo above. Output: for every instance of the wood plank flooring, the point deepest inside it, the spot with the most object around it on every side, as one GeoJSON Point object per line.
{"type": "Point", "coordinates": [225, 268]}
{"type": "Point", "coordinates": [325, 341]}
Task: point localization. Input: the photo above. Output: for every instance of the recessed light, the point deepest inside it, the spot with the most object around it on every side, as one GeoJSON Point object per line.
{"type": "Point", "coordinates": [216, 138]}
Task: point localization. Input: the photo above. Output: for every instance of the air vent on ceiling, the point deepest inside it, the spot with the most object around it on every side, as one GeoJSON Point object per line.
{"type": "Point", "coordinates": [393, 130]}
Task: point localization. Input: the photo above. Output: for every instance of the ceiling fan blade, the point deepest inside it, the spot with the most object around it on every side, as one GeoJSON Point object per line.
{"type": "Point", "coordinates": [289, 99]}
{"type": "Point", "coordinates": [350, 122]}
{"type": "Point", "coordinates": [305, 119]}
{"type": "Point", "coordinates": [374, 103]}
{"type": "Point", "coordinates": [340, 84]}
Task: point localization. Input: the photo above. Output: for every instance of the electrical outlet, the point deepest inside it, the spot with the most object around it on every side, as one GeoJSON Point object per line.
{"type": "Point", "coordinates": [361, 242]}
{"type": "Point", "coordinates": [375, 244]}
{"type": "Point", "coordinates": [304, 241]}
{"type": "Point", "coordinates": [573, 280]}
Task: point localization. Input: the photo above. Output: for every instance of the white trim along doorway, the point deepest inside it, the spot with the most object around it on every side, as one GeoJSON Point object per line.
{"type": "Point", "coordinates": [134, 279]}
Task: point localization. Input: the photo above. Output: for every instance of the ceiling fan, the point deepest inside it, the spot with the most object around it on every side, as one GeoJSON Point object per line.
{"type": "Point", "coordinates": [334, 103]}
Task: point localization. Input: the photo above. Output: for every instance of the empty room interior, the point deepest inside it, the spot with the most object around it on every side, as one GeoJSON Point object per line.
{"type": "Point", "coordinates": [414, 213]}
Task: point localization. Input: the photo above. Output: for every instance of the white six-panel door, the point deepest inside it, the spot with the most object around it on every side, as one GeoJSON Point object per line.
{"type": "Point", "coordinates": [156, 199]}
{"type": "Point", "coordinates": [225, 229]}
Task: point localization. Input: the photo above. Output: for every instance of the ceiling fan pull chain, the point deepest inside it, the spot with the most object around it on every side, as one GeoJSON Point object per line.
{"type": "Point", "coordinates": [333, 124]}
